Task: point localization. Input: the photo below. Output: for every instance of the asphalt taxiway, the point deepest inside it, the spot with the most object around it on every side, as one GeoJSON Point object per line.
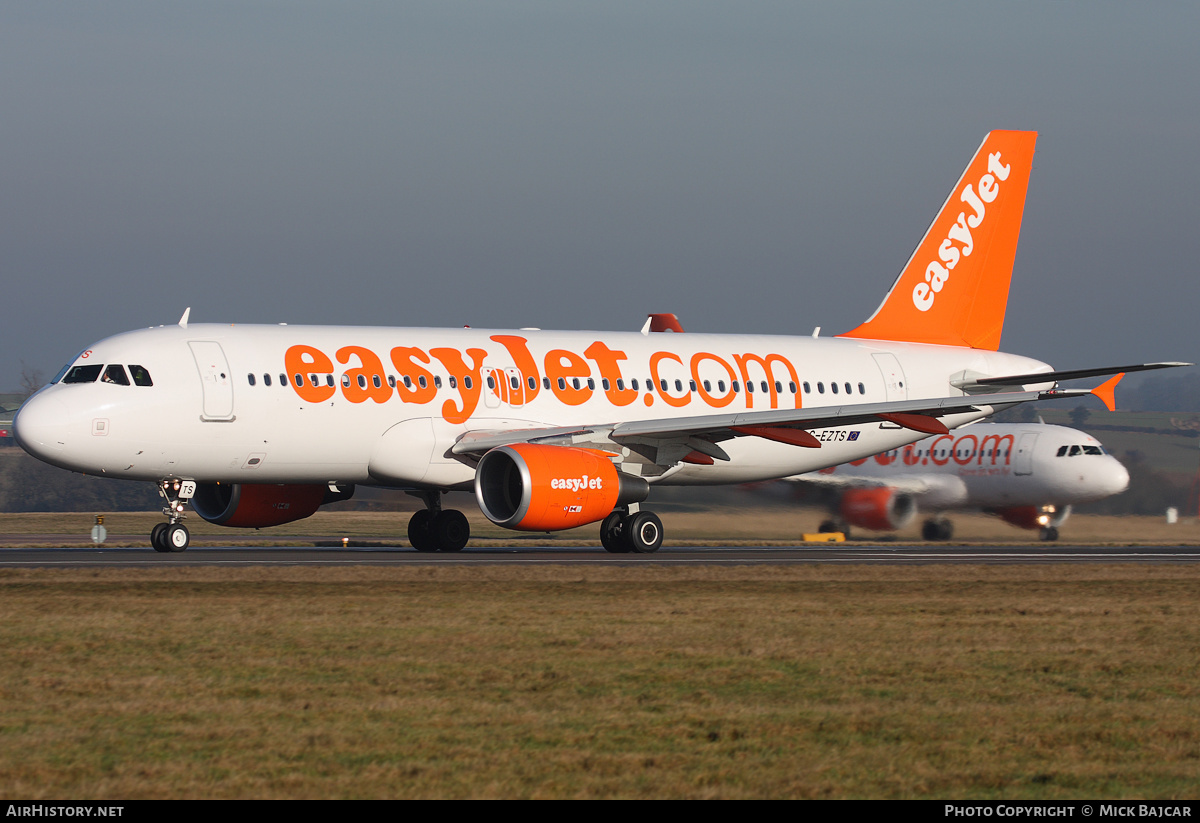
{"type": "Point", "coordinates": [672, 555]}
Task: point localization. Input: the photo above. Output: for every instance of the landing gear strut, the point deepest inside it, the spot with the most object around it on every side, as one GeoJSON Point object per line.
{"type": "Point", "coordinates": [1048, 533]}
{"type": "Point", "coordinates": [434, 529]}
{"type": "Point", "coordinates": [173, 536]}
{"type": "Point", "coordinates": [630, 530]}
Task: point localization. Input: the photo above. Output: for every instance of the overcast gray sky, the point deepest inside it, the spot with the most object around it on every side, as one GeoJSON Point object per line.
{"type": "Point", "coordinates": [752, 167]}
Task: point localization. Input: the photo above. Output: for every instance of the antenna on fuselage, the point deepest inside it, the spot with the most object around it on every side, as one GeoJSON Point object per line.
{"type": "Point", "coordinates": [183, 320]}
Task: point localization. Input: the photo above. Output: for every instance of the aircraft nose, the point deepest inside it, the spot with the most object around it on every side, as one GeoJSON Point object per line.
{"type": "Point", "coordinates": [40, 426]}
{"type": "Point", "coordinates": [1117, 477]}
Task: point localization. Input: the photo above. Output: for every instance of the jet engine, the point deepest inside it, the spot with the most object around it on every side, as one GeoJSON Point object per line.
{"type": "Point", "coordinates": [532, 487]}
{"type": "Point", "coordinates": [252, 506]}
{"type": "Point", "coordinates": [879, 508]}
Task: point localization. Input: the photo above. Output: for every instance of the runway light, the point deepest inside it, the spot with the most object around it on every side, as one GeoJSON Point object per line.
{"type": "Point", "coordinates": [345, 542]}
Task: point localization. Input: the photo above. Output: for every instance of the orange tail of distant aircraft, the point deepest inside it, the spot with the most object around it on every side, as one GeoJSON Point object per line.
{"type": "Point", "coordinates": [954, 290]}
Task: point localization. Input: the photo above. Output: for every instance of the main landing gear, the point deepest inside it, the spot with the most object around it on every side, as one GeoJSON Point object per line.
{"type": "Point", "coordinates": [828, 526]}
{"type": "Point", "coordinates": [173, 536]}
{"type": "Point", "coordinates": [1048, 533]}
{"type": "Point", "coordinates": [434, 529]}
{"type": "Point", "coordinates": [939, 529]}
{"type": "Point", "coordinates": [627, 531]}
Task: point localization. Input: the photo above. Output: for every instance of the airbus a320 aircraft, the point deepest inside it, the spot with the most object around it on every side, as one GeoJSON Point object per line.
{"type": "Point", "coordinates": [1029, 474]}
{"type": "Point", "coordinates": [261, 425]}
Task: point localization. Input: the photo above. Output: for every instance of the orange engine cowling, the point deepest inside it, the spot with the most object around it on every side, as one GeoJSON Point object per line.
{"type": "Point", "coordinates": [879, 508]}
{"type": "Point", "coordinates": [547, 488]}
{"type": "Point", "coordinates": [252, 506]}
{"type": "Point", "coordinates": [1034, 517]}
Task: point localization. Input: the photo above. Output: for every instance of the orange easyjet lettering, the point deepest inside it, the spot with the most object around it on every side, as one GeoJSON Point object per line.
{"type": "Point", "coordinates": [302, 361]}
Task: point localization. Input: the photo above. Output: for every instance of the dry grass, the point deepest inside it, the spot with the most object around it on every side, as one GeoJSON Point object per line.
{"type": "Point", "coordinates": [485, 681]}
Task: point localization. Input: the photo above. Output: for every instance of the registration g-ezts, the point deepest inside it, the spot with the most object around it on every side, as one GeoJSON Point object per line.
{"type": "Point", "coordinates": [254, 426]}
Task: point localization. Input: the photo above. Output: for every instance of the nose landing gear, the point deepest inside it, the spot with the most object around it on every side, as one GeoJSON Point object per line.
{"type": "Point", "coordinates": [173, 536]}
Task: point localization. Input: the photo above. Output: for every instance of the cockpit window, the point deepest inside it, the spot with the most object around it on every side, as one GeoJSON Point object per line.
{"type": "Point", "coordinates": [1075, 450]}
{"type": "Point", "coordinates": [1062, 451]}
{"type": "Point", "coordinates": [1092, 450]}
{"type": "Point", "coordinates": [141, 377]}
{"type": "Point", "coordinates": [83, 374]}
{"type": "Point", "coordinates": [115, 374]}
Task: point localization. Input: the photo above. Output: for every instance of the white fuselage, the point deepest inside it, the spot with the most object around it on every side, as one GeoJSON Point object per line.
{"type": "Point", "coordinates": [384, 406]}
{"type": "Point", "coordinates": [992, 465]}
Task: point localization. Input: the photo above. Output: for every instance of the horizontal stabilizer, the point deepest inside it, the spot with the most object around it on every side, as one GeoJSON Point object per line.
{"type": "Point", "coordinates": [1014, 380]}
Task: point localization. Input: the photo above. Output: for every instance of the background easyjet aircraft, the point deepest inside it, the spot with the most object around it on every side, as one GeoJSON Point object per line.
{"type": "Point", "coordinates": [261, 425]}
{"type": "Point", "coordinates": [1027, 473]}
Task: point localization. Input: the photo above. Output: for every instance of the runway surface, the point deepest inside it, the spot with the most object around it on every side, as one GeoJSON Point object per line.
{"type": "Point", "coordinates": [786, 555]}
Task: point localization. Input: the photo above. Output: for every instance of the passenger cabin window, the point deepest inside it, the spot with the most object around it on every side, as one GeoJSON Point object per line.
{"type": "Point", "coordinates": [862, 389]}
{"type": "Point", "coordinates": [141, 377]}
{"type": "Point", "coordinates": [115, 374]}
{"type": "Point", "coordinates": [83, 374]}
{"type": "Point", "coordinates": [250, 378]}
{"type": "Point", "coordinates": [266, 378]}
{"type": "Point", "coordinates": [833, 387]}
{"type": "Point", "coordinates": [282, 379]}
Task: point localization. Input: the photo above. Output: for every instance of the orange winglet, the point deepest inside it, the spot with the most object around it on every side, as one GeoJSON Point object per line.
{"type": "Point", "coordinates": [916, 422]}
{"type": "Point", "coordinates": [793, 437]}
{"type": "Point", "coordinates": [665, 322]}
{"type": "Point", "coordinates": [954, 290]}
{"type": "Point", "coordinates": [1106, 391]}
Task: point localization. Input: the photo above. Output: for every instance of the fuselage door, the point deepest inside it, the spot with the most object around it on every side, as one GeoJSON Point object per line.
{"type": "Point", "coordinates": [1023, 464]}
{"type": "Point", "coordinates": [215, 380]}
{"type": "Point", "coordinates": [516, 389]}
{"type": "Point", "coordinates": [893, 376]}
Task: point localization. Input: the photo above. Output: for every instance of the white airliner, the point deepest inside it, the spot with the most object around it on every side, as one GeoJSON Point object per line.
{"type": "Point", "coordinates": [261, 425]}
{"type": "Point", "coordinates": [1030, 474]}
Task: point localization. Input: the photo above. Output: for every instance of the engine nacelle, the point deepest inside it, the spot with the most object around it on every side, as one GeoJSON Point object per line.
{"type": "Point", "coordinates": [1034, 517]}
{"type": "Point", "coordinates": [879, 508]}
{"type": "Point", "coordinates": [531, 487]}
{"type": "Point", "coordinates": [252, 506]}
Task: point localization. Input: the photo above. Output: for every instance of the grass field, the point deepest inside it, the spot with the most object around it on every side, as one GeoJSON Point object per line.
{"type": "Point", "coordinates": [627, 682]}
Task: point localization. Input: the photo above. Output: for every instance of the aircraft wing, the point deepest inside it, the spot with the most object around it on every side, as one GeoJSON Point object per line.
{"type": "Point", "coordinates": [703, 432]}
{"type": "Point", "coordinates": [908, 484]}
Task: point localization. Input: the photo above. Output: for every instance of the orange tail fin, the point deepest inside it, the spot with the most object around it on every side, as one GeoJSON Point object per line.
{"type": "Point", "coordinates": [954, 289]}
